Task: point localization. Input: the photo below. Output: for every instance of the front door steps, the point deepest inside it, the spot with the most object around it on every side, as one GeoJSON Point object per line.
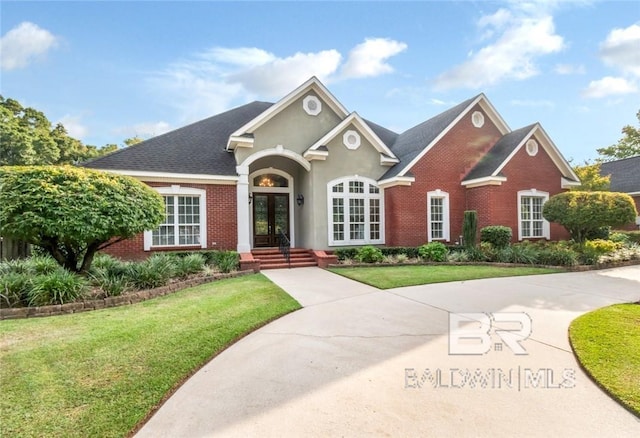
{"type": "Point", "coordinates": [272, 258]}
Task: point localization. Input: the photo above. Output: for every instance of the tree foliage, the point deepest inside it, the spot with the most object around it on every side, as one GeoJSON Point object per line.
{"type": "Point", "coordinates": [627, 146]}
{"type": "Point", "coordinates": [582, 213]}
{"type": "Point", "coordinates": [72, 212]}
{"type": "Point", "coordinates": [28, 138]}
{"type": "Point", "coordinates": [590, 178]}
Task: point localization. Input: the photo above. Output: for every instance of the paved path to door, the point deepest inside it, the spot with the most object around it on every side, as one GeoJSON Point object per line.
{"type": "Point", "coordinates": [356, 361]}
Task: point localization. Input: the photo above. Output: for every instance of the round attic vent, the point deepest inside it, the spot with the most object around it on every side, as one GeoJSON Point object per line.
{"type": "Point", "coordinates": [351, 139]}
{"type": "Point", "coordinates": [477, 118]}
{"type": "Point", "coordinates": [312, 105]}
{"type": "Point", "coordinates": [532, 147]}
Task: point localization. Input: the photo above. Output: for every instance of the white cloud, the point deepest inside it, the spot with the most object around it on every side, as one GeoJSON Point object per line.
{"type": "Point", "coordinates": [74, 126]}
{"type": "Point", "coordinates": [621, 49]}
{"type": "Point", "coordinates": [281, 75]}
{"type": "Point", "coordinates": [23, 44]}
{"type": "Point", "coordinates": [143, 130]}
{"type": "Point", "coordinates": [520, 40]}
{"type": "Point", "coordinates": [609, 86]}
{"type": "Point", "coordinates": [569, 69]}
{"type": "Point", "coordinates": [368, 58]}
{"type": "Point", "coordinates": [216, 79]}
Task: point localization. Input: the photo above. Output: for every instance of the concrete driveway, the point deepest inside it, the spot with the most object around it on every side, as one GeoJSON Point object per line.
{"type": "Point", "coordinates": [358, 361]}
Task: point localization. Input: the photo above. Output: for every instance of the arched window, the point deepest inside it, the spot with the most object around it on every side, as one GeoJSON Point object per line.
{"type": "Point", "coordinates": [356, 211]}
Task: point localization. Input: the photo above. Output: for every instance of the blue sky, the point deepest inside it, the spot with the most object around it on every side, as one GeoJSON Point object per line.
{"type": "Point", "coordinates": [111, 70]}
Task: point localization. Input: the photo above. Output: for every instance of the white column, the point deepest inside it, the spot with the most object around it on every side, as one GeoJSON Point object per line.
{"type": "Point", "coordinates": [242, 207]}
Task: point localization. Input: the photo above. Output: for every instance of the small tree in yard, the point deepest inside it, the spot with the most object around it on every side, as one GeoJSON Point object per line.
{"type": "Point", "coordinates": [72, 213]}
{"type": "Point", "coordinates": [469, 228]}
{"type": "Point", "coordinates": [582, 213]}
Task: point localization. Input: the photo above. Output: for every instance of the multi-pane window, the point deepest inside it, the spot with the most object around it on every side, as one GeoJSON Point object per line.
{"type": "Point", "coordinates": [438, 215]}
{"type": "Point", "coordinates": [531, 219]}
{"type": "Point", "coordinates": [357, 212]}
{"type": "Point", "coordinates": [531, 223]}
{"type": "Point", "coordinates": [181, 225]}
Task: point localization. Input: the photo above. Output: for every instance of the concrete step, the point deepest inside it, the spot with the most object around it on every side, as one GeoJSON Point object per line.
{"type": "Point", "coordinates": [285, 265]}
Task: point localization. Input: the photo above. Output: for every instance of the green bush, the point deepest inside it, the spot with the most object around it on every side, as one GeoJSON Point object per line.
{"type": "Point", "coordinates": [557, 256]}
{"type": "Point", "coordinates": [227, 261]}
{"type": "Point", "coordinates": [497, 235]}
{"type": "Point", "coordinates": [369, 254]}
{"type": "Point", "coordinates": [111, 284]}
{"type": "Point", "coordinates": [410, 251]}
{"type": "Point", "coordinates": [518, 253]}
{"type": "Point", "coordinates": [345, 253]}
{"type": "Point", "coordinates": [58, 287]}
{"type": "Point", "coordinates": [41, 264]}
{"type": "Point", "coordinates": [633, 236]}
{"type": "Point", "coordinates": [433, 252]}
{"type": "Point", "coordinates": [156, 271]}
{"type": "Point", "coordinates": [469, 228]}
{"type": "Point", "coordinates": [486, 253]}
{"type": "Point", "coordinates": [601, 247]}
{"type": "Point", "coordinates": [583, 213]}
{"type": "Point", "coordinates": [458, 256]}
{"type": "Point", "coordinates": [619, 237]}
{"type": "Point", "coordinates": [14, 288]}
{"type": "Point", "coordinates": [189, 264]}
{"type": "Point", "coordinates": [112, 265]}
{"type": "Point", "coordinates": [16, 266]}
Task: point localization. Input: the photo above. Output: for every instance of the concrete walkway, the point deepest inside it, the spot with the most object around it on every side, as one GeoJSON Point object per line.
{"type": "Point", "coordinates": [357, 361]}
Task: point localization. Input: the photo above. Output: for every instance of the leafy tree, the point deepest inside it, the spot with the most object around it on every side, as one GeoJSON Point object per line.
{"type": "Point", "coordinates": [27, 138]}
{"type": "Point", "coordinates": [584, 213]}
{"type": "Point", "coordinates": [73, 212]}
{"type": "Point", "coordinates": [627, 146]}
{"type": "Point", "coordinates": [590, 178]}
{"type": "Point", "coordinates": [132, 140]}
{"type": "Point", "coordinates": [469, 228]}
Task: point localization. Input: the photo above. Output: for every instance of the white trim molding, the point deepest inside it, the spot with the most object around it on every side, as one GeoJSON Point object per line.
{"type": "Point", "coordinates": [177, 190]}
{"type": "Point", "coordinates": [485, 181]}
{"type": "Point", "coordinates": [279, 151]}
{"type": "Point", "coordinates": [546, 228]}
{"type": "Point", "coordinates": [446, 226]}
{"type": "Point", "coordinates": [396, 181]}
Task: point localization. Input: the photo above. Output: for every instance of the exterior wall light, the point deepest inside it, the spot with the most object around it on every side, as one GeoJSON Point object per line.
{"type": "Point", "coordinates": [300, 200]}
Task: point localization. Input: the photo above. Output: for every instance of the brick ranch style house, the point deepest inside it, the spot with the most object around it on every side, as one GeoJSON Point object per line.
{"type": "Point", "coordinates": [328, 178]}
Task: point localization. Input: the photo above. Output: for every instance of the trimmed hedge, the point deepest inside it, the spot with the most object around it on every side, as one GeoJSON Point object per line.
{"type": "Point", "coordinates": [497, 235]}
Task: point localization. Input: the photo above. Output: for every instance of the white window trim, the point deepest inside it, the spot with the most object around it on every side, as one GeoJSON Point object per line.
{"type": "Point", "coordinates": [176, 190]}
{"type": "Point", "coordinates": [446, 228]}
{"type": "Point", "coordinates": [546, 228]}
{"type": "Point", "coordinates": [346, 196]}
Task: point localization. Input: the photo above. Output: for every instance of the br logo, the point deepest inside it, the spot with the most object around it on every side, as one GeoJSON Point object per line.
{"type": "Point", "coordinates": [470, 333]}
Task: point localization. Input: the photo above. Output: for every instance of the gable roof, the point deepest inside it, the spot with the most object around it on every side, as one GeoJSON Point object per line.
{"type": "Point", "coordinates": [499, 155]}
{"type": "Point", "coordinates": [412, 144]}
{"type": "Point", "coordinates": [312, 84]}
{"type": "Point", "coordinates": [492, 160]}
{"type": "Point", "coordinates": [354, 119]}
{"type": "Point", "coordinates": [625, 174]}
{"type": "Point", "coordinates": [198, 148]}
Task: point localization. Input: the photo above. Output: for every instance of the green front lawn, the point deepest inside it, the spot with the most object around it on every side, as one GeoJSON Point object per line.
{"type": "Point", "coordinates": [387, 277]}
{"type": "Point", "coordinates": [607, 343]}
{"type": "Point", "coordinates": [100, 373]}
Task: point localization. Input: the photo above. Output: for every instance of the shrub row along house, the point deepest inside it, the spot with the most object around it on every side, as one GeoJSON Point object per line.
{"type": "Point", "coordinates": [325, 177]}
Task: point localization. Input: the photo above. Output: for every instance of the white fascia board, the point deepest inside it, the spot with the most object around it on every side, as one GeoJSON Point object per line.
{"type": "Point", "coordinates": [396, 181]}
{"type": "Point", "coordinates": [236, 141]}
{"type": "Point", "coordinates": [558, 159]}
{"type": "Point", "coordinates": [316, 155]}
{"type": "Point", "coordinates": [485, 181]}
{"type": "Point", "coordinates": [494, 115]}
{"type": "Point", "coordinates": [388, 161]}
{"type": "Point", "coordinates": [565, 183]}
{"type": "Point", "coordinates": [311, 84]}
{"type": "Point", "coordinates": [176, 177]}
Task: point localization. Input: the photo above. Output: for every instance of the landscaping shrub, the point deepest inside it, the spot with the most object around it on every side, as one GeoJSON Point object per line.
{"type": "Point", "coordinates": [41, 264]}
{"type": "Point", "coordinates": [497, 235]}
{"type": "Point", "coordinates": [486, 253]}
{"type": "Point", "coordinates": [227, 261]}
{"type": "Point", "coordinates": [14, 288]}
{"type": "Point", "coordinates": [189, 264]}
{"type": "Point", "coordinates": [434, 252]}
{"type": "Point", "coordinates": [469, 228]}
{"type": "Point", "coordinates": [112, 284]}
{"type": "Point", "coordinates": [633, 236]}
{"type": "Point", "coordinates": [369, 254]}
{"type": "Point", "coordinates": [619, 237]}
{"type": "Point", "coordinates": [17, 266]}
{"type": "Point", "coordinates": [153, 272]}
{"type": "Point", "coordinates": [410, 251]}
{"type": "Point", "coordinates": [458, 256]}
{"type": "Point", "coordinates": [402, 258]}
{"type": "Point", "coordinates": [518, 253]}
{"type": "Point", "coordinates": [630, 252]}
{"type": "Point", "coordinates": [58, 287]}
{"type": "Point", "coordinates": [601, 247]}
{"type": "Point", "coordinates": [112, 265]}
{"type": "Point", "coordinates": [345, 253]}
{"type": "Point", "coordinates": [557, 256]}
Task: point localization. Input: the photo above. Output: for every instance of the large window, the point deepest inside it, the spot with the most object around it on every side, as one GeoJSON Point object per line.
{"type": "Point", "coordinates": [184, 221]}
{"type": "Point", "coordinates": [531, 224]}
{"type": "Point", "coordinates": [438, 216]}
{"type": "Point", "coordinates": [356, 211]}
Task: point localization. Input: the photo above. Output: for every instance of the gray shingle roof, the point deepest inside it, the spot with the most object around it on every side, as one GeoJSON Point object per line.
{"type": "Point", "coordinates": [625, 174]}
{"type": "Point", "coordinates": [199, 148]}
{"type": "Point", "coordinates": [410, 143]}
{"type": "Point", "coordinates": [387, 136]}
{"type": "Point", "coordinates": [498, 153]}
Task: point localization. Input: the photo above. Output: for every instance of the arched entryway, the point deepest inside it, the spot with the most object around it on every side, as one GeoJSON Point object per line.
{"type": "Point", "coordinates": [271, 195]}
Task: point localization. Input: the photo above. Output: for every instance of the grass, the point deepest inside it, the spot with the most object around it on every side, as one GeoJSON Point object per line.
{"type": "Point", "coordinates": [387, 277]}
{"type": "Point", "coordinates": [607, 344]}
{"type": "Point", "coordinates": [100, 373]}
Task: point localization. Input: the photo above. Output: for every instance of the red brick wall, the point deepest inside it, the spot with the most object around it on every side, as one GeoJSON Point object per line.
{"type": "Point", "coordinates": [441, 168]}
{"type": "Point", "coordinates": [221, 224]}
